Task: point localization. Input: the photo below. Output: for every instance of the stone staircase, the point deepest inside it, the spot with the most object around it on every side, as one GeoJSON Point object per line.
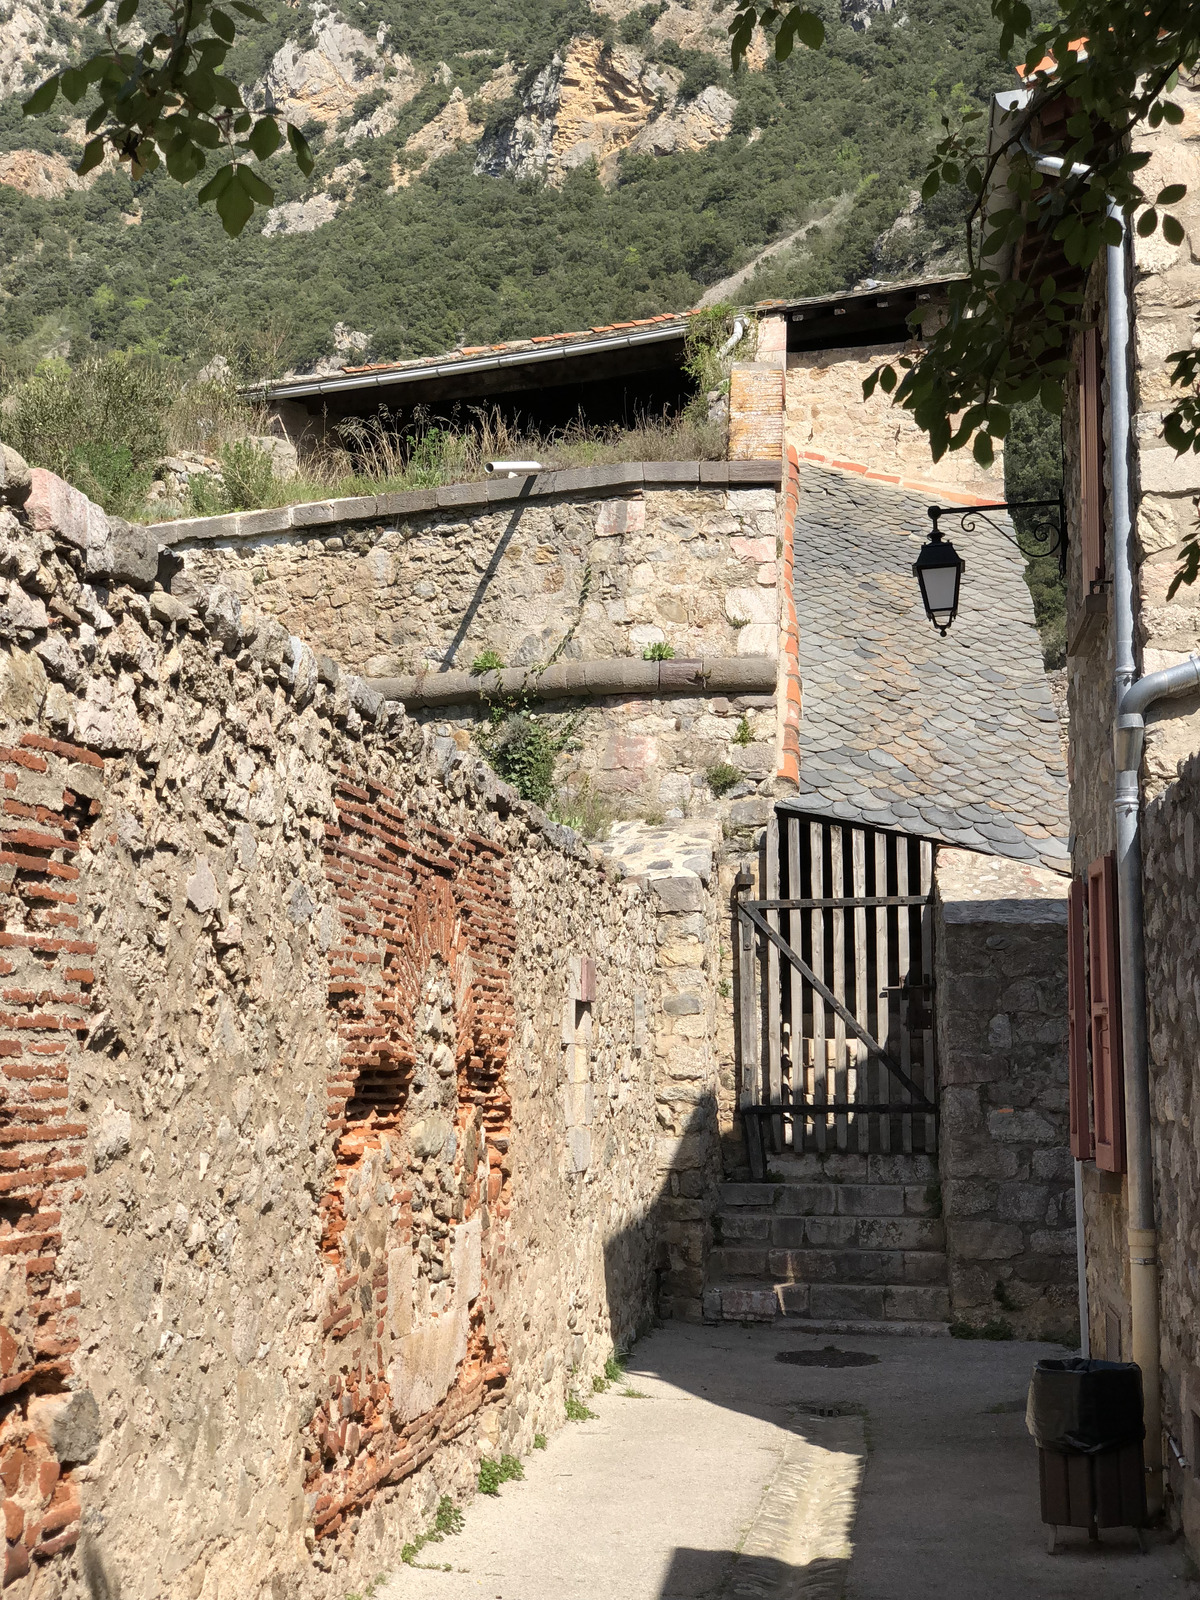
{"type": "Point", "coordinates": [839, 1243]}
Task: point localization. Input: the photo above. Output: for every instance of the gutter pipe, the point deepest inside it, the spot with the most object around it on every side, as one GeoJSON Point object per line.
{"type": "Point", "coordinates": [1132, 696]}
{"type": "Point", "coordinates": [736, 337]}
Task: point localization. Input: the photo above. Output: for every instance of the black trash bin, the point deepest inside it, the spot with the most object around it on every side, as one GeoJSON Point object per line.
{"type": "Point", "coordinates": [1086, 1417]}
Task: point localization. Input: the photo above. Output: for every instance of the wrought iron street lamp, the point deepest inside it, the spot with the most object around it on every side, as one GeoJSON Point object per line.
{"type": "Point", "coordinates": [938, 568]}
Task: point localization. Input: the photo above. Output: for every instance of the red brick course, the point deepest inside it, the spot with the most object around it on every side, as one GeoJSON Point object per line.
{"type": "Point", "coordinates": [411, 896]}
{"type": "Point", "coordinates": [44, 1010]}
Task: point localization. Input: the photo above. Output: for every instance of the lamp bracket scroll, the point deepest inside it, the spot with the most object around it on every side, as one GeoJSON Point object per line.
{"type": "Point", "coordinates": [1043, 535]}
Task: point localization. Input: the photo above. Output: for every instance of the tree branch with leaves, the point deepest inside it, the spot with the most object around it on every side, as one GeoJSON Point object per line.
{"type": "Point", "coordinates": [1004, 342]}
{"type": "Point", "coordinates": [165, 102]}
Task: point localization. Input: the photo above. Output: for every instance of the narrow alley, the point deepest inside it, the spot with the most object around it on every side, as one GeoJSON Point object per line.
{"type": "Point", "coordinates": [737, 1474]}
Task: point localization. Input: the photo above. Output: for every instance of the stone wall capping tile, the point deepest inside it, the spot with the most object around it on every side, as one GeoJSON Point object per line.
{"type": "Point", "coordinates": [768, 474]}
{"type": "Point", "coordinates": [406, 502]}
{"type": "Point", "coordinates": [316, 513]}
{"type": "Point", "coordinates": [210, 529]}
{"type": "Point", "coordinates": [462, 494]}
{"type": "Point", "coordinates": [670, 473]}
{"type": "Point", "coordinates": [253, 524]}
{"type": "Point", "coordinates": [715, 473]}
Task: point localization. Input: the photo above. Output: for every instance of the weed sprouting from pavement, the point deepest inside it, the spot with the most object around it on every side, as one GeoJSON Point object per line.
{"type": "Point", "coordinates": [448, 1520]}
{"type": "Point", "coordinates": [493, 1473]}
{"type": "Point", "coordinates": [577, 1411]}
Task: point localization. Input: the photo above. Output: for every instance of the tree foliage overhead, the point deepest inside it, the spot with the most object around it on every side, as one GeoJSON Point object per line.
{"type": "Point", "coordinates": [160, 98]}
{"type": "Point", "coordinates": [1006, 341]}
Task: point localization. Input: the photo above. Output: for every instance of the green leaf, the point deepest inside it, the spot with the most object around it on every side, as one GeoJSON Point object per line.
{"type": "Point", "coordinates": [1147, 222]}
{"type": "Point", "coordinates": [1171, 195]}
{"type": "Point", "coordinates": [255, 187]}
{"type": "Point", "coordinates": [265, 138]}
{"type": "Point", "coordinates": [234, 205]}
{"type": "Point", "coordinates": [982, 450]}
{"type": "Point", "coordinates": [1172, 113]}
{"type": "Point", "coordinates": [74, 84]}
{"type": "Point", "coordinates": [300, 149]}
{"type": "Point", "coordinates": [802, 25]}
{"type": "Point", "coordinates": [93, 155]}
{"type": "Point", "coordinates": [42, 98]}
{"type": "Point", "coordinates": [244, 10]}
{"type": "Point", "coordinates": [127, 9]}
{"type": "Point", "coordinates": [933, 182]}
{"type": "Point", "coordinates": [216, 185]}
{"type": "Point", "coordinates": [223, 27]}
{"type": "Point", "coordinates": [91, 9]}
{"type": "Point", "coordinates": [1172, 230]}
{"type": "Point", "coordinates": [887, 379]}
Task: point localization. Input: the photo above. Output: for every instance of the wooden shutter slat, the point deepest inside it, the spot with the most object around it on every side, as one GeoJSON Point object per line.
{"type": "Point", "coordinates": [1082, 1144]}
{"type": "Point", "coordinates": [1108, 1078]}
{"type": "Point", "coordinates": [1091, 461]}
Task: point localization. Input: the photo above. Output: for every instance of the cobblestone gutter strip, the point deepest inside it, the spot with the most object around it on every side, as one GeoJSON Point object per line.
{"type": "Point", "coordinates": [798, 1546]}
{"type": "Point", "coordinates": [791, 700]}
{"type": "Point", "coordinates": [568, 679]}
{"type": "Point", "coordinates": [622, 479]}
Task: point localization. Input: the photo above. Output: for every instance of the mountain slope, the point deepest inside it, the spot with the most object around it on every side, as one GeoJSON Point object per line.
{"type": "Point", "coordinates": [482, 176]}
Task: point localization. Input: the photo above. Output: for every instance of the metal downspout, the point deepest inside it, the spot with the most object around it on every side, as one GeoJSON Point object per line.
{"type": "Point", "coordinates": [1142, 1235]}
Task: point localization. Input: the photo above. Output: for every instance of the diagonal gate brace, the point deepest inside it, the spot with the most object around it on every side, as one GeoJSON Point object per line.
{"type": "Point", "coordinates": [874, 1048]}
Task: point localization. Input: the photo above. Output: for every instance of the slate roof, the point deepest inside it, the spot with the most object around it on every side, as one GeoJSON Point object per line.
{"type": "Point", "coordinates": [955, 739]}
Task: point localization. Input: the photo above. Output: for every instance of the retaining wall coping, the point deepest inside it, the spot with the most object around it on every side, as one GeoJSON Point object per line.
{"type": "Point", "coordinates": [568, 679]}
{"type": "Point", "coordinates": [317, 515]}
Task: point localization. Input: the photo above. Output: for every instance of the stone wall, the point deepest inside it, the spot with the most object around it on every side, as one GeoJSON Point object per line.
{"type": "Point", "coordinates": [331, 1155]}
{"type": "Point", "coordinates": [599, 572]}
{"type": "Point", "coordinates": [1000, 946]}
{"type": "Point", "coordinates": [1164, 293]}
{"type": "Point", "coordinates": [1171, 863]}
{"type": "Point", "coordinates": [828, 420]}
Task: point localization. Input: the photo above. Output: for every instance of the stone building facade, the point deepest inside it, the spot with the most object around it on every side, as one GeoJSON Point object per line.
{"type": "Point", "coordinates": [335, 1128]}
{"type": "Point", "coordinates": [1163, 291]}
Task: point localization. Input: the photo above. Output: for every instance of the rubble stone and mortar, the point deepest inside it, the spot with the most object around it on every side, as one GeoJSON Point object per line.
{"type": "Point", "coordinates": [585, 576]}
{"type": "Point", "coordinates": [1164, 294]}
{"type": "Point", "coordinates": [335, 1128]}
{"type": "Point", "coordinates": [1171, 863]}
{"type": "Point", "coordinates": [1004, 1158]}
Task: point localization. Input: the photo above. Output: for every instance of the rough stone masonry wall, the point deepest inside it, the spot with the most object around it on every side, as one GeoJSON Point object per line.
{"type": "Point", "coordinates": [1165, 296]}
{"type": "Point", "coordinates": [1171, 863]}
{"type": "Point", "coordinates": [1000, 946]}
{"type": "Point", "coordinates": [599, 575]}
{"type": "Point", "coordinates": [328, 1148]}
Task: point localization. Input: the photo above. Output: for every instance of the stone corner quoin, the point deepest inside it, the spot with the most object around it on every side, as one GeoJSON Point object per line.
{"type": "Point", "coordinates": [331, 1108]}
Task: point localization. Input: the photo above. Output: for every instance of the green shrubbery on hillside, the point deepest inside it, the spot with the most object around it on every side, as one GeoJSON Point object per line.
{"type": "Point", "coordinates": [459, 255]}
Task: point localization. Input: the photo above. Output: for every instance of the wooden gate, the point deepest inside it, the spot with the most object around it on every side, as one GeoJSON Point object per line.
{"type": "Point", "coordinates": [835, 992]}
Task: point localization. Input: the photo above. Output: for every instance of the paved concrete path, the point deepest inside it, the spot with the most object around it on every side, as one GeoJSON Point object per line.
{"type": "Point", "coordinates": [739, 1477]}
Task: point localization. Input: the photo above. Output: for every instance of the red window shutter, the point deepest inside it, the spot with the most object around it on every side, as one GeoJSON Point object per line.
{"type": "Point", "coordinates": [1091, 462]}
{"type": "Point", "coordinates": [1082, 1147]}
{"type": "Point", "coordinates": [1108, 1078]}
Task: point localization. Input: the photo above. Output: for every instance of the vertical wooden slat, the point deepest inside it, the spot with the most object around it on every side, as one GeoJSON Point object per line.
{"type": "Point", "coordinates": [904, 976]}
{"type": "Point", "coordinates": [862, 1064]}
{"type": "Point", "coordinates": [883, 1077]}
{"type": "Point", "coordinates": [1082, 1145]}
{"type": "Point", "coordinates": [1108, 1078]}
{"type": "Point", "coordinates": [817, 890]}
{"type": "Point", "coordinates": [774, 1018]}
{"type": "Point", "coordinates": [926, 1080]}
{"type": "Point", "coordinates": [748, 1012]}
{"type": "Point", "coordinates": [837, 889]}
{"type": "Point", "coordinates": [795, 981]}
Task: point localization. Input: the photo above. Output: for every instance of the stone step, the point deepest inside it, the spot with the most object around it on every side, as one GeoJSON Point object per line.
{"type": "Point", "coordinates": [830, 1266]}
{"type": "Point", "coordinates": [756, 1236]}
{"type": "Point", "coordinates": [927, 1305]}
{"type": "Point", "coordinates": [842, 1166]}
{"type": "Point", "coordinates": [824, 1199]}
